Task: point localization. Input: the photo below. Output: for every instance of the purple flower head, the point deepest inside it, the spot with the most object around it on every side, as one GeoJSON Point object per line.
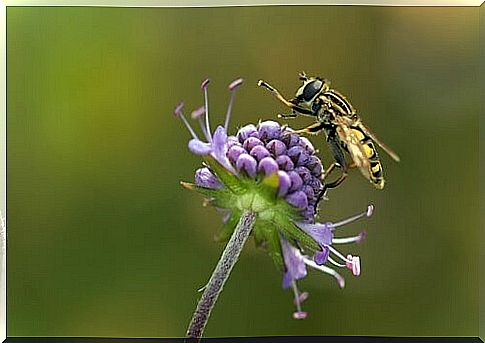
{"type": "Point", "coordinates": [264, 149]}
{"type": "Point", "coordinates": [269, 144]}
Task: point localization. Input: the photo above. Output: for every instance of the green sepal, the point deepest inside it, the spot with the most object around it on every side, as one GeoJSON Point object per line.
{"type": "Point", "coordinates": [208, 192]}
{"type": "Point", "coordinates": [217, 197]}
{"type": "Point", "coordinates": [290, 230]}
{"type": "Point", "coordinates": [259, 234]}
{"type": "Point", "coordinates": [274, 248]}
{"type": "Point", "coordinates": [231, 181]}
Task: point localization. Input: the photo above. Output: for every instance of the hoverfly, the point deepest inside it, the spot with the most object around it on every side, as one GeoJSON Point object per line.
{"type": "Point", "coordinates": [343, 128]}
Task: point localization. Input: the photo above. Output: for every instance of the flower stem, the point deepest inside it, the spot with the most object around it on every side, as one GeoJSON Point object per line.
{"type": "Point", "coordinates": [219, 276]}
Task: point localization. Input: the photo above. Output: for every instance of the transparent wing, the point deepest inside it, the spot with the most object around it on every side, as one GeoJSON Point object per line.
{"type": "Point", "coordinates": [355, 148]}
{"type": "Point", "coordinates": [384, 147]}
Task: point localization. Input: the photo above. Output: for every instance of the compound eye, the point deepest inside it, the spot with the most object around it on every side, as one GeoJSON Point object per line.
{"type": "Point", "coordinates": [312, 89]}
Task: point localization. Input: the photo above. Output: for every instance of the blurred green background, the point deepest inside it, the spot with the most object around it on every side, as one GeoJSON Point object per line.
{"type": "Point", "coordinates": [104, 242]}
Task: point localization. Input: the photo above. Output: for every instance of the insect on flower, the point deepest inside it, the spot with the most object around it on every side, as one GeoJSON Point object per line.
{"type": "Point", "coordinates": [343, 128]}
{"type": "Point", "coordinates": [272, 172]}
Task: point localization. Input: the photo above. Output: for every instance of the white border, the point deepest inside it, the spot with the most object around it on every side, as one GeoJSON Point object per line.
{"type": "Point", "coordinates": [234, 3]}
{"type": "Point", "coordinates": [127, 3]}
{"type": "Point", "coordinates": [3, 171]}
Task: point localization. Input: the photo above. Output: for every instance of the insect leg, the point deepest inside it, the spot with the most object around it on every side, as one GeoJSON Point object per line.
{"type": "Point", "coordinates": [287, 116]}
{"type": "Point", "coordinates": [280, 97]}
{"type": "Point", "coordinates": [312, 129]}
{"type": "Point", "coordinates": [333, 184]}
{"type": "Point", "coordinates": [340, 162]}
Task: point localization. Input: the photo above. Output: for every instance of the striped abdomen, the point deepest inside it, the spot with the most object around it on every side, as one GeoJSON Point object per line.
{"type": "Point", "coordinates": [374, 167]}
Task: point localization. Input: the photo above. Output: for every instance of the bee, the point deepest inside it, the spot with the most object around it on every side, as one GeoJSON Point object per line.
{"type": "Point", "coordinates": [343, 128]}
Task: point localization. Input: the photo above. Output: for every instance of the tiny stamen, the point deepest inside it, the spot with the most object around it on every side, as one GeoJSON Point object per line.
{"type": "Point", "coordinates": [335, 263]}
{"type": "Point", "coordinates": [370, 210]}
{"type": "Point", "coordinates": [366, 213]}
{"type": "Point", "coordinates": [178, 112]}
{"type": "Point", "coordinates": [354, 239]}
{"type": "Point", "coordinates": [302, 297]}
{"type": "Point", "coordinates": [327, 270]}
{"type": "Point", "coordinates": [299, 314]}
{"type": "Point", "coordinates": [235, 84]}
{"type": "Point", "coordinates": [197, 114]}
{"type": "Point", "coordinates": [232, 87]}
{"type": "Point", "coordinates": [178, 109]}
{"type": "Point", "coordinates": [337, 253]}
{"type": "Point", "coordinates": [204, 84]}
{"type": "Point", "coordinates": [353, 264]}
{"type": "Point", "coordinates": [203, 87]}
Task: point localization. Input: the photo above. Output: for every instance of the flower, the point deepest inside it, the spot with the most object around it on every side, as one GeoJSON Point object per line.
{"type": "Point", "coordinates": [274, 172]}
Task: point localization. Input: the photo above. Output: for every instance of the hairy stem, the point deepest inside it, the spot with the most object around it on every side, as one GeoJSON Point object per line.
{"type": "Point", "coordinates": [219, 276]}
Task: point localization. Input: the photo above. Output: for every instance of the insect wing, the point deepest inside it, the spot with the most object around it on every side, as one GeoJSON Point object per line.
{"type": "Point", "coordinates": [384, 147]}
{"type": "Point", "coordinates": [355, 148]}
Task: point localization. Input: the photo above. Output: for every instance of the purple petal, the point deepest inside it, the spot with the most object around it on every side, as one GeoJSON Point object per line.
{"type": "Point", "coordinates": [317, 170]}
{"type": "Point", "coordinates": [235, 84]}
{"type": "Point", "coordinates": [322, 233]}
{"type": "Point", "coordinates": [276, 147]}
{"type": "Point", "coordinates": [247, 131]}
{"type": "Point", "coordinates": [199, 148]}
{"type": "Point", "coordinates": [259, 152]}
{"type": "Point", "coordinates": [298, 155]}
{"type": "Point", "coordinates": [303, 158]}
{"type": "Point", "coordinates": [247, 164]}
{"type": "Point", "coordinates": [315, 166]}
{"type": "Point", "coordinates": [231, 141]}
{"type": "Point", "coordinates": [315, 183]}
{"type": "Point", "coordinates": [251, 142]}
{"type": "Point", "coordinates": [321, 256]}
{"type": "Point", "coordinates": [309, 213]}
{"type": "Point", "coordinates": [285, 163]}
{"type": "Point", "coordinates": [304, 174]}
{"type": "Point", "coordinates": [284, 183]}
{"type": "Point", "coordinates": [310, 193]}
{"type": "Point", "coordinates": [296, 181]}
{"type": "Point", "coordinates": [290, 139]}
{"type": "Point", "coordinates": [234, 152]}
{"type": "Point", "coordinates": [268, 165]}
{"type": "Point", "coordinates": [219, 143]}
{"type": "Point", "coordinates": [297, 199]}
{"type": "Point", "coordinates": [205, 178]}
{"type": "Point", "coordinates": [178, 109]}
{"type": "Point", "coordinates": [269, 130]}
{"type": "Point", "coordinates": [295, 266]}
{"type": "Point", "coordinates": [313, 161]}
{"type": "Point", "coordinates": [305, 143]}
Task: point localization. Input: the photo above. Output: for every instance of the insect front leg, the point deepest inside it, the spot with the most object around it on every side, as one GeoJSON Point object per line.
{"type": "Point", "coordinates": [287, 116]}
{"type": "Point", "coordinates": [281, 98]}
{"type": "Point", "coordinates": [312, 129]}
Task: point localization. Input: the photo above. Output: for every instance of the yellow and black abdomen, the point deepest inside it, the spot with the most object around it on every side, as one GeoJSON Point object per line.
{"type": "Point", "coordinates": [374, 166]}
